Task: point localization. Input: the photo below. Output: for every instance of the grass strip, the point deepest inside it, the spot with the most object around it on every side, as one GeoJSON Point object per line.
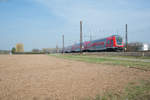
{"type": "Point", "coordinates": [106, 60]}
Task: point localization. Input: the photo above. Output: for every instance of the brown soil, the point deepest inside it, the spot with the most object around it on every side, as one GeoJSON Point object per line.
{"type": "Point", "coordinates": [42, 77]}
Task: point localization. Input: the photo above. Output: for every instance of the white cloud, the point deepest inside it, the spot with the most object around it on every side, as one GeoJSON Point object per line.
{"type": "Point", "coordinates": [102, 17]}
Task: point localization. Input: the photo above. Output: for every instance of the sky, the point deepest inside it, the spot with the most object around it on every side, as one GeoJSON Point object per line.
{"type": "Point", "coordinates": [41, 23]}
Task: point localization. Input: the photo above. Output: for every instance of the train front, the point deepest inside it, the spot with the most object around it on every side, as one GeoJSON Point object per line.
{"type": "Point", "coordinates": [118, 42]}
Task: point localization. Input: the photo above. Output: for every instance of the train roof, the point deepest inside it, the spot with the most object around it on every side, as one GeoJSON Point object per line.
{"type": "Point", "coordinates": [115, 35]}
{"type": "Point", "coordinates": [106, 37]}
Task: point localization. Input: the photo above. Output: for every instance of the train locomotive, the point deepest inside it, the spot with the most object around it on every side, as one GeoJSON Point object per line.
{"type": "Point", "coordinates": [112, 43]}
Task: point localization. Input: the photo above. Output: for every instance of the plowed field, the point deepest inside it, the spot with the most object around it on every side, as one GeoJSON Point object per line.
{"type": "Point", "coordinates": [43, 77]}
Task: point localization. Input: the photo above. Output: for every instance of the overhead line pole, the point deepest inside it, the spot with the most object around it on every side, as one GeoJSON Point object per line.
{"type": "Point", "coordinates": [126, 37]}
{"type": "Point", "coordinates": [90, 37]}
{"type": "Point", "coordinates": [80, 36]}
{"type": "Point", "coordinates": [62, 43]}
{"type": "Point", "coordinates": [56, 48]}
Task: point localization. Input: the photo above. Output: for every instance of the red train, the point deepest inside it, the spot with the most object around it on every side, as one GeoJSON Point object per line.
{"type": "Point", "coordinates": [112, 43]}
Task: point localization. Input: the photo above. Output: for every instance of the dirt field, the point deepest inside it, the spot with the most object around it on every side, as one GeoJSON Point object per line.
{"type": "Point", "coordinates": [42, 77]}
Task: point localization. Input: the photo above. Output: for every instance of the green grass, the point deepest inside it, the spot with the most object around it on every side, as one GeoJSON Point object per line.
{"type": "Point", "coordinates": [106, 60]}
{"type": "Point", "coordinates": [134, 91]}
{"type": "Point", "coordinates": [131, 57]}
{"type": "Point", "coordinates": [138, 92]}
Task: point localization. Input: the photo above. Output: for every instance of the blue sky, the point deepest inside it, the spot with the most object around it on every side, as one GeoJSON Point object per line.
{"type": "Point", "coordinates": [41, 23]}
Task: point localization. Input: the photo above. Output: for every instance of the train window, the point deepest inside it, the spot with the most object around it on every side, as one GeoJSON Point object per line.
{"type": "Point", "coordinates": [108, 42]}
{"type": "Point", "coordinates": [119, 40]}
{"type": "Point", "coordinates": [111, 42]}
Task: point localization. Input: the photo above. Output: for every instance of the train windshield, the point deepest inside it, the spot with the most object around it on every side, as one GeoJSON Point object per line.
{"type": "Point", "coordinates": [119, 40]}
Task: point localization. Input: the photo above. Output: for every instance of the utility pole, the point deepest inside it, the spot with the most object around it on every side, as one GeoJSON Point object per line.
{"type": "Point", "coordinates": [126, 37]}
{"type": "Point", "coordinates": [90, 37]}
{"type": "Point", "coordinates": [80, 36]}
{"type": "Point", "coordinates": [62, 43]}
{"type": "Point", "coordinates": [56, 48]}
